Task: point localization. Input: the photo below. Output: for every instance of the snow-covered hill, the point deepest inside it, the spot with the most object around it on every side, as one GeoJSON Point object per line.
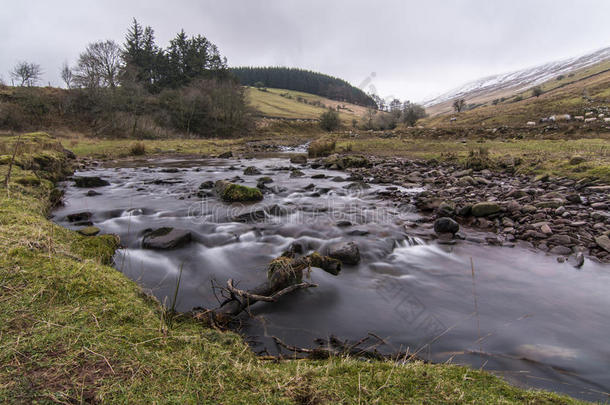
{"type": "Point", "coordinates": [522, 79]}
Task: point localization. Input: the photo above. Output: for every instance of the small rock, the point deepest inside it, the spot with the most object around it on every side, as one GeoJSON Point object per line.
{"type": "Point", "coordinates": [446, 225]}
{"type": "Point", "coordinates": [603, 242]}
{"type": "Point", "coordinates": [225, 155]}
{"type": "Point", "coordinates": [92, 193]}
{"type": "Point", "coordinates": [165, 238]}
{"type": "Point", "coordinates": [298, 159]}
{"type": "Point", "coordinates": [580, 259]}
{"type": "Point", "coordinates": [251, 171]}
{"type": "Point", "coordinates": [347, 253]}
{"type": "Point", "coordinates": [483, 209]}
{"type": "Point", "coordinates": [561, 250]}
{"type": "Point", "coordinates": [90, 182]}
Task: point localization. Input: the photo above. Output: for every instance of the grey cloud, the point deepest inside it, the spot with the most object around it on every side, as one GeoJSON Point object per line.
{"type": "Point", "coordinates": [417, 48]}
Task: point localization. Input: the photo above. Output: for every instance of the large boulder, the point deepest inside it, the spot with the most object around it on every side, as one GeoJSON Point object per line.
{"type": "Point", "coordinates": [231, 192]}
{"type": "Point", "coordinates": [165, 238]}
{"type": "Point", "coordinates": [446, 225]}
{"type": "Point", "coordinates": [89, 182]}
{"type": "Point", "coordinates": [484, 209]}
{"type": "Point", "coordinates": [346, 252]}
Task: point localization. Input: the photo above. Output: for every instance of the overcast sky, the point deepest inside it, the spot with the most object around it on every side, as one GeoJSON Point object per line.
{"type": "Point", "coordinates": [415, 48]}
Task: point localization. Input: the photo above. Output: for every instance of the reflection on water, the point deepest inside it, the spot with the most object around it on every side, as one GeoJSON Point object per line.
{"type": "Point", "coordinates": [539, 323]}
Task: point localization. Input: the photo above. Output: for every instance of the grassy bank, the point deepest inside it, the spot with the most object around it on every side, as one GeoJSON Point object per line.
{"type": "Point", "coordinates": [75, 330]}
{"type": "Point", "coordinates": [529, 156]}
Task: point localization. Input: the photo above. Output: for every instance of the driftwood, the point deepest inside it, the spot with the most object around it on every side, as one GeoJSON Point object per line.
{"type": "Point", "coordinates": [334, 347]}
{"type": "Point", "coordinates": [284, 275]}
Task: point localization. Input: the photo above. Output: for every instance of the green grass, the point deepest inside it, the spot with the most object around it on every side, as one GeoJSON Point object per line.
{"type": "Point", "coordinates": [538, 156]}
{"type": "Point", "coordinates": [74, 330]}
{"type": "Point", "coordinates": [271, 103]}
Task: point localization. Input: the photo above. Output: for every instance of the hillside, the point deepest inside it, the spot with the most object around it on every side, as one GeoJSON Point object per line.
{"type": "Point", "coordinates": [305, 81]}
{"type": "Point", "coordinates": [506, 85]}
{"type": "Point", "coordinates": [290, 104]}
{"type": "Point", "coordinates": [585, 90]}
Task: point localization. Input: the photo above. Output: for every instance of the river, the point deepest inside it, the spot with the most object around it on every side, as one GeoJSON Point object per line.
{"type": "Point", "coordinates": [524, 316]}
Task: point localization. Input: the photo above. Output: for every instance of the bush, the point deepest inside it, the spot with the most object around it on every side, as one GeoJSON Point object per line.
{"type": "Point", "coordinates": [321, 147]}
{"type": "Point", "coordinates": [329, 120]}
{"type": "Point", "coordinates": [137, 149]}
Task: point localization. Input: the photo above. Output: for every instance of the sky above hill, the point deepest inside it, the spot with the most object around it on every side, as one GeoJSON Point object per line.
{"type": "Point", "coordinates": [404, 49]}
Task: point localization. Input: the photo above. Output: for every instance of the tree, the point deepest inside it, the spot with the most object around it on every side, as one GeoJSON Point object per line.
{"type": "Point", "coordinates": [458, 105]}
{"type": "Point", "coordinates": [99, 66]}
{"type": "Point", "coordinates": [329, 120]}
{"type": "Point", "coordinates": [537, 91]}
{"type": "Point", "coordinates": [26, 73]}
{"type": "Point", "coordinates": [395, 105]}
{"type": "Point", "coordinates": [411, 112]}
{"type": "Point", "coordinates": [66, 75]}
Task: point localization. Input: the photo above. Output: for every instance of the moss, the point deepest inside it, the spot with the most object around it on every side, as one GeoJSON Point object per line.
{"type": "Point", "coordinates": [231, 192]}
{"type": "Point", "coordinates": [28, 181]}
{"type": "Point", "coordinates": [101, 247]}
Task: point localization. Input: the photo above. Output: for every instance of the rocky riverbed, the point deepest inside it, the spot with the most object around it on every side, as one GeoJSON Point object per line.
{"type": "Point", "coordinates": [564, 217]}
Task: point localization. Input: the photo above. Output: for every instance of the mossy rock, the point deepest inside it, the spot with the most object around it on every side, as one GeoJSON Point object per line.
{"type": "Point", "coordinates": [231, 192]}
{"type": "Point", "coordinates": [484, 209]}
{"type": "Point", "coordinates": [347, 161]}
{"type": "Point", "coordinates": [89, 231]}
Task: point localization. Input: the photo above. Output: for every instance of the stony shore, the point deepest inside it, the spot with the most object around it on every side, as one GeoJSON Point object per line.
{"type": "Point", "coordinates": [561, 216]}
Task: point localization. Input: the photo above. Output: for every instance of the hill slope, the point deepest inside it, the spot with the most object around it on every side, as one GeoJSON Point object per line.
{"type": "Point", "coordinates": [290, 104]}
{"type": "Point", "coordinates": [305, 81]}
{"type": "Point", "coordinates": [505, 85]}
{"type": "Point", "coordinates": [581, 94]}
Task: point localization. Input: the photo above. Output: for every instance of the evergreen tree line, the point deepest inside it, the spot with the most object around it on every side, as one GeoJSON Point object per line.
{"type": "Point", "coordinates": [303, 80]}
{"type": "Point", "coordinates": [136, 89]}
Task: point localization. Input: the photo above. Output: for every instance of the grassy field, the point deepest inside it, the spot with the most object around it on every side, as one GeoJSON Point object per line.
{"type": "Point", "coordinates": [534, 156]}
{"type": "Point", "coordinates": [280, 103]}
{"type": "Point", "coordinates": [75, 330]}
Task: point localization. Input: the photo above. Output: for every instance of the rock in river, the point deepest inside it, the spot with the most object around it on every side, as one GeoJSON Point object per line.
{"type": "Point", "coordinates": [446, 225]}
{"type": "Point", "coordinates": [298, 159]}
{"type": "Point", "coordinates": [165, 238]}
{"type": "Point", "coordinates": [346, 252]}
{"type": "Point", "coordinates": [231, 192]}
{"type": "Point", "coordinates": [90, 182]}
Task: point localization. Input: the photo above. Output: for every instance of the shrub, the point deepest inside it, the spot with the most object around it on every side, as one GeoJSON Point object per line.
{"type": "Point", "coordinates": [137, 149]}
{"type": "Point", "coordinates": [321, 147]}
{"type": "Point", "coordinates": [329, 120]}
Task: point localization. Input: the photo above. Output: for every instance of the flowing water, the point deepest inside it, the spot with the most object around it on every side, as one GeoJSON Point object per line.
{"type": "Point", "coordinates": [535, 321]}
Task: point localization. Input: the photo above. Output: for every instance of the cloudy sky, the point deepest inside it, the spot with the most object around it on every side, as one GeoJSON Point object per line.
{"type": "Point", "coordinates": [415, 48]}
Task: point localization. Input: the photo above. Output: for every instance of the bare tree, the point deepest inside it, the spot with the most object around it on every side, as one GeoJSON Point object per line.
{"type": "Point", "coordinates": [458, 105]}
{"type": "Point", "coordinates": [66, 75]}
{"type": "Point", "coordinates": [99, 66]}
{"type": "Point", "coordinates": [26, 73]}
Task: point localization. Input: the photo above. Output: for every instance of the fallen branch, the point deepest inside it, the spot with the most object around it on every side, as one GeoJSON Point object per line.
{"type": "Point", "coordinates": [284, 275]}
{"type": "Point", "coordinates": [273, 298]}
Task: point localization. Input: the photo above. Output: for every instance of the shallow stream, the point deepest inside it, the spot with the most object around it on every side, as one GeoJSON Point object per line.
{"type": "Point", "coordinates": [536, 322]}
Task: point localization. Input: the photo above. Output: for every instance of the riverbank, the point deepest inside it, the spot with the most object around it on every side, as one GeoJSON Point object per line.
{"type": "Point", "coordinates": [76, 330]}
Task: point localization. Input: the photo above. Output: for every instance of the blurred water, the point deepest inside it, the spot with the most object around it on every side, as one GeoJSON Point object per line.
{"type": "Point", "coordinates": [540, 323]}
